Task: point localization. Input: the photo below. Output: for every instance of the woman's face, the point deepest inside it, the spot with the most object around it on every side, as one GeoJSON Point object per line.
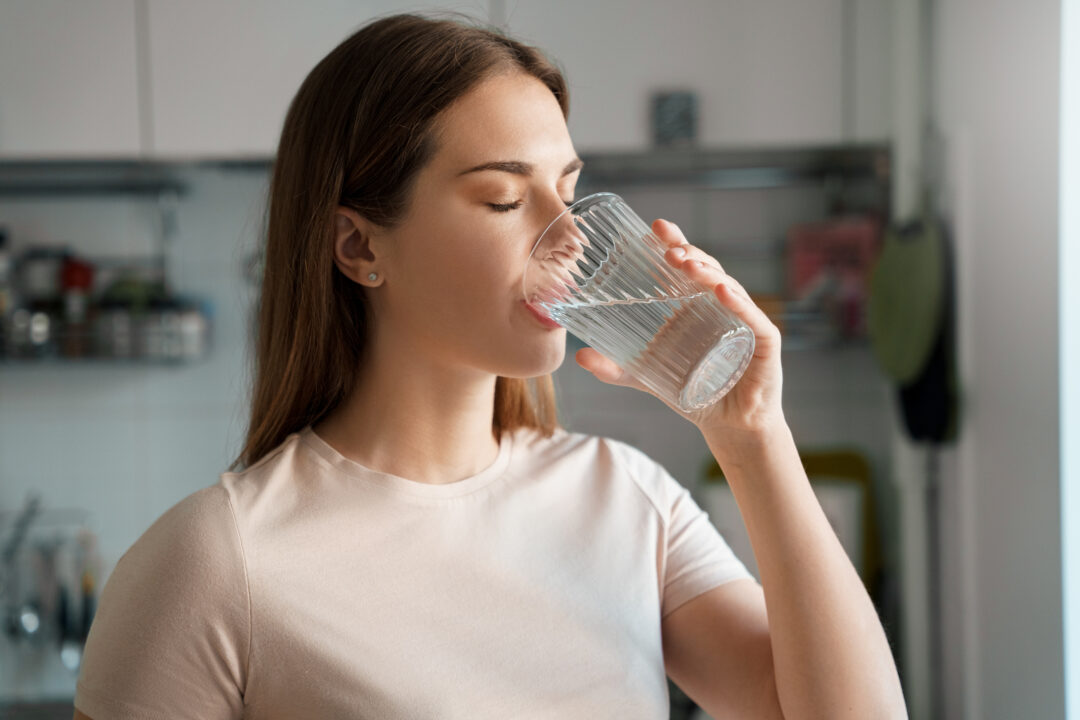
{"type": "Point", "coordinates": [453, 267]}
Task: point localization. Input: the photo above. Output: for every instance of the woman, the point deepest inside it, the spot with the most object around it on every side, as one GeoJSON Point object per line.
{"type": "Point", "coordinates": [407, 532]}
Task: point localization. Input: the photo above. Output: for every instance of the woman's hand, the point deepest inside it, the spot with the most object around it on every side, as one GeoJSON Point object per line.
{"type": "Point", "coordinates": [754, 403]}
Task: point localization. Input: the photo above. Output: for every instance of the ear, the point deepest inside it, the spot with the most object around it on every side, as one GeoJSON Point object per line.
{"type": "Point", "coordinates": [355, 253]}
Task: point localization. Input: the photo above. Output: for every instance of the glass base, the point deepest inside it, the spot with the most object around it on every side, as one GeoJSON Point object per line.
{"type": "Point", "coordinates": [713, 376]}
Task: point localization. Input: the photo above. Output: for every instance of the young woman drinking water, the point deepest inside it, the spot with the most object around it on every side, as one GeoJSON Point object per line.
{"type": "Point", "coordinates": [407, 532]}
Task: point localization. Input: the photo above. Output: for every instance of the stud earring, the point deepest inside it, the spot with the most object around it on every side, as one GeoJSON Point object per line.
{"type": "Point", "coordinates": [372, 276]}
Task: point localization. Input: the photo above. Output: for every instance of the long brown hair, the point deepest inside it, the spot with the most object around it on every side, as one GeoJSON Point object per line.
{"type": "Point", "coordinates": [357, 133]}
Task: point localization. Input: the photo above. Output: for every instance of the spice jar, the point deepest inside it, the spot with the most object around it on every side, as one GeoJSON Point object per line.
{"type": "Point", "coordinates": [113, 330]}
{"type": "Point", "coordinates": [76, 279]}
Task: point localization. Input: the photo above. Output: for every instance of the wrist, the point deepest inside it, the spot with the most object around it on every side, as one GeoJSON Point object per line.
{"type": "Point", "coordinates": [740, 447]}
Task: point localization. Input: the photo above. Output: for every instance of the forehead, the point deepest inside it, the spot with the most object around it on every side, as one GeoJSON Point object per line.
{"type": "Point", "coordinates": [506, 117]}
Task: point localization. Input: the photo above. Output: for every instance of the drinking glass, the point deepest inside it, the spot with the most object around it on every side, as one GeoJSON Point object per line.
{"type": "Point", "coordinates": [599, 271]}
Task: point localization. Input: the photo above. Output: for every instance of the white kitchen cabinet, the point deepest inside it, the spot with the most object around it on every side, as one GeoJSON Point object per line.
{"type": "Point", "coordinates": [68, 84]}
{"type": "Point", "coordinates": [223, 73]}
{"type": "Point", "coordinates": [201, 78]}
{"type": "Point", "coordinates": [766, 72]}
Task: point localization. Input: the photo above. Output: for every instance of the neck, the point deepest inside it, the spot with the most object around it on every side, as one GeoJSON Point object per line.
{"type": "Point", "coordinates": [418, 420]}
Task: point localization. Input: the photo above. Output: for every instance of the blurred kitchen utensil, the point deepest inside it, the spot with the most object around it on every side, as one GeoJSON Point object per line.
{"type": "Point", "coordinates": [13, 612]}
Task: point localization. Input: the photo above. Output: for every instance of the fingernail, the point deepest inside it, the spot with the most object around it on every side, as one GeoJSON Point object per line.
{"type": "Point", "coordinates": [679, 252]}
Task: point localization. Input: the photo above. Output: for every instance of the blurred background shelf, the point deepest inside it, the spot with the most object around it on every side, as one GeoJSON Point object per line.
{"type": "Point", "coordinates": [89, 178]}
{"type": "Point", "coordinates": [737, 168]}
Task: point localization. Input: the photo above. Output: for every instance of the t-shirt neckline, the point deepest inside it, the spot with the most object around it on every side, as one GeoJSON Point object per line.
{"type": "Point", "coordinates": [404, 486]}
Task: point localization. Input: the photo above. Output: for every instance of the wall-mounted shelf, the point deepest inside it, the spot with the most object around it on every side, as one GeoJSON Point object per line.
{"type": "Point", "coordinates": [706, 168]}
{"type": "Point", "coordinates": [678, 169]}
{"type": "Point", "coordinates": [737, 168]}
{"type": "Point", "coordinates": [67, 178]}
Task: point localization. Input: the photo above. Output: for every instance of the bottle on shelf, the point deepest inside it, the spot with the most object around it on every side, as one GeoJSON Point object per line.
{"type": "Point", "coordinates": [72, 308]}
{"type": "Point", "coordinates": [36, 321]}
{"type": "Point", "coordinates": [76, 281]}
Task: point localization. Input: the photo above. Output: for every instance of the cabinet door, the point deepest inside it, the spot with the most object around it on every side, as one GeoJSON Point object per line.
{"type": "Point", "coordinates": [223, 73]}
{"type": "Point", "coordinates": [67, 79]}
{"type": "Point", "coordinates": [766, 72]}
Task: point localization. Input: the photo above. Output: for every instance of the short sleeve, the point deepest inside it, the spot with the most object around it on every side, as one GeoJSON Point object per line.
{"type": "Point", "coordinates": [696, 558]}
{"type": "Point", "coordinates": [171, 634]}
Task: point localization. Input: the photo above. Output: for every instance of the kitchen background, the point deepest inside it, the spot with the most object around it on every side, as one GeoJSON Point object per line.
{"type": "Point", "coordinates": [783, 136]}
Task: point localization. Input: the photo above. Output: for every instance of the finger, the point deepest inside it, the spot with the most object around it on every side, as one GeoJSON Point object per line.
{"type": "Point", "coordinates": [733, 296]}
{"type": "Point", "coordinates": [681, 254]}
{"type": "Point", "coordinates": [708, 275]}
{"type": "Point", "coordinates": [669, 232]}
{"type": "Point", "coordinates": [673, 236]}
{"type": "Point", "coordinates": [766, 334]}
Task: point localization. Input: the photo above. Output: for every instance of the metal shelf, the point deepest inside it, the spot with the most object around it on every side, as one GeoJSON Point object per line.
{"type": "Point", "coordinates": [17, 364]}
{"type": "Point", "coordinates": [737, 168]}
{"type": "Point", "coordinates": [90, 178]}
{"type": "Point", "coordinates": [710, 168]}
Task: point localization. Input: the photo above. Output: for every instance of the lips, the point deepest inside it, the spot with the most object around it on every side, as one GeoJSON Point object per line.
{"type": "Point", "coordinates": [541, 316]}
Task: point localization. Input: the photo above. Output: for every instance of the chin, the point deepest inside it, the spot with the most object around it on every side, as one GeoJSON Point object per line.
{"type": "Point", "coordinates": [539, 358]}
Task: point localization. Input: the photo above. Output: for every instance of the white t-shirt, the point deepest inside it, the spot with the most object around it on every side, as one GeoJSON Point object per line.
{"type": "Point", "coordinates": [309, 586]}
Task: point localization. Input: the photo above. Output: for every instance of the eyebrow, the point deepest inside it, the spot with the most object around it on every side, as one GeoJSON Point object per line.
{"type": "Point", "coordinates": [517, 167]}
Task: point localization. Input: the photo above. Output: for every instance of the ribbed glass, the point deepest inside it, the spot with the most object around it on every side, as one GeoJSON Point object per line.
{"type": "Point", "coordinates": [599, 271]}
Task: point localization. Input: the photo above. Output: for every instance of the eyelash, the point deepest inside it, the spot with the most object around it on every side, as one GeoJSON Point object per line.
{"type": "Point", "coordinates": [516, 205]}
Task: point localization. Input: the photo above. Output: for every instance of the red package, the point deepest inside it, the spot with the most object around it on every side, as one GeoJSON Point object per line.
{"type": "Point", "coordinates": [829, 265]}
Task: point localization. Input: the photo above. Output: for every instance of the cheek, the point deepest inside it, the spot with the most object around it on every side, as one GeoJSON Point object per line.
{"type": "Point", "coordinates": [461, 287]}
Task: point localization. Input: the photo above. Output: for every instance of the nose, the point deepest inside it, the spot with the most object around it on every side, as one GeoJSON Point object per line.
{"type": "Point", "coordinates": [560, 244]}
{"type": "Point", "coordinates": [564, 241]}
{"type": "Point", "coordinates": [560, 234]}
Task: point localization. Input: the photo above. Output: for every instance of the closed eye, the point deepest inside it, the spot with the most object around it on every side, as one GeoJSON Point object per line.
{"type": "Point", "coordinates": [515, 205]}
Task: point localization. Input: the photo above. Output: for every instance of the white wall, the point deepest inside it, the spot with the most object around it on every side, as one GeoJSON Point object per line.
{"type": "Point", "coordinates": [996, 97]}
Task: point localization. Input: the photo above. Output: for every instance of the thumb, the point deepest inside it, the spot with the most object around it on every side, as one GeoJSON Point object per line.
{"type": "Point", "coordinates": [602, 367]}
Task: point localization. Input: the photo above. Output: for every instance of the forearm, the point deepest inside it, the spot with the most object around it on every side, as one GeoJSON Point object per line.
{"type": "Point", "coordinates": [830, 653]}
